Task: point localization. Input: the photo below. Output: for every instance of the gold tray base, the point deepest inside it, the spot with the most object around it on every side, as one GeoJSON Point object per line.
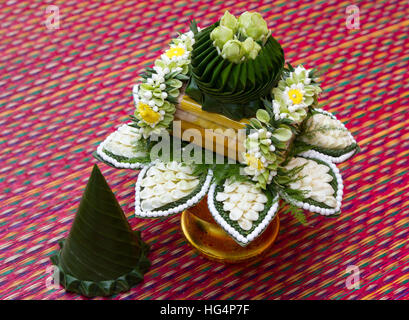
{"type": "Point", "coordinates": [211, 241]}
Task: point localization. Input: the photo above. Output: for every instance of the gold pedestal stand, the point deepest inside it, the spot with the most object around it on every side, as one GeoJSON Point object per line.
{"type": "Point", "coordinates": [198, 226]}
{"type": "Point", "coordinates": [206, 236]}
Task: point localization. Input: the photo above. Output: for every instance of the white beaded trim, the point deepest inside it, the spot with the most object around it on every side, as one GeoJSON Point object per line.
{"type": "Point", "coordinates": [340, 186]}
{"type": "Point", "coordinates": [114, 162]}
{"type": "Point", "coordinates": [330, 158]}
{"type": "Point", "coordinates": [153, 214]}
{"type": "Point", "coordinates": [314, 153]}
{"type": "Point", "coordinates": [240, 239]}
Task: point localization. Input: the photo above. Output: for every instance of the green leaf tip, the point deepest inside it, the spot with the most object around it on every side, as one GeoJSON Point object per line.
{"type": "Point", "coordinates": [193, 26]}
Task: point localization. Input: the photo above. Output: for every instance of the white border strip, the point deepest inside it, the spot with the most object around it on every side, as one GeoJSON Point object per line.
{"type": "Point", "coordinates": [240, 239]}
{"type": "Point", "coordinates": [114, 162]}
{"type": "Point", "coordinates": [330, 158]}
{"type": "Point", "coordinates": [340, 192]}
{"type": "Point", "coordinates": [153, 214]}
{"type": "Point", "coordinates": [314, 153]}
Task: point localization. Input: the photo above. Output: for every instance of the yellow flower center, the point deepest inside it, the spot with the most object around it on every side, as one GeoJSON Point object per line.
{"type": "Point", "coordinates": [254, 162]}
{"type": "Point", "coordinates": [147, 114]}
{"type": "Point", "coordinates": [295, 96]}
{"type": "Point", "coordinates": [175, 52]}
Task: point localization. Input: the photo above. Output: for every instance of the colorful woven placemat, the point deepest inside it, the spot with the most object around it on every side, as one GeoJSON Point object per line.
{"type": "Point", "coordinates": [62, 91]}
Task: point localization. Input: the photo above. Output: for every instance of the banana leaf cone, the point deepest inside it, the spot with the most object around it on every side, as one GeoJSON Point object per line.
{"type": "Point", "coordinates": [102, 256]}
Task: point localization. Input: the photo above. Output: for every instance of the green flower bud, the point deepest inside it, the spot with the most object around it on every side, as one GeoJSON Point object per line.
{"type": "Point", "coordinates": [251, 48]}
{"type": "Point", "coordinates": [221, 35]}
{"type": "Point", "coordinates": [248, 45]}
{"type": "Point", "coordinates": [254, 53]}
{"type": "Point", "coordinates": [229, 21]}
{"type": "Point", "coordinates": [251, 24]}
{"type": "Point", "coordinates": [233, 51]}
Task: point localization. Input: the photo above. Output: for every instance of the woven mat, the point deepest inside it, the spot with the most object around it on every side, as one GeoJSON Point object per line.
{"type": "Point", "coordinates": [62, 91]}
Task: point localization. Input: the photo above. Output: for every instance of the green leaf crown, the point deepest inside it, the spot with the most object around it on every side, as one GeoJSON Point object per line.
{"type": "Point", "coordinates": [233, 89]}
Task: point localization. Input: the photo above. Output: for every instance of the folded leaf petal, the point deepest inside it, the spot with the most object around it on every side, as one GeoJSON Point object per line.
{"type": "Point", "coordinates": [317, 186]}
{"type": "Point", "coordinates": [328, 136]}
{"type": "Point", "coordinates": [168, 188]}
{"type": "Point", "coordinates": [241, 209]}
{"type": "Point", "coordinates": [124, 148]}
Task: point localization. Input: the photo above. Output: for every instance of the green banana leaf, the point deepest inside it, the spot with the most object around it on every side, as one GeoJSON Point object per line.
{"type": "Point", "coordinates": [102, 256]}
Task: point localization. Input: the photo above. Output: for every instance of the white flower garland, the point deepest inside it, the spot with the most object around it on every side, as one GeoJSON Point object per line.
{"type": "Point", "coordinates": [313, 153]}
{"type": "Point", "coordinates": [294, 93]}
{"type": "Point", "coordinates": [256, 163]}
{"type": "Point", "coordinates": [155, 98]}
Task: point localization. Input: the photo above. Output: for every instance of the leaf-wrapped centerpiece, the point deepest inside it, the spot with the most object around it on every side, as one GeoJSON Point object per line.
{"type": "Point", "coordinates": [208, 80]}
{"type": "Point", "coordinates": [234, 63]}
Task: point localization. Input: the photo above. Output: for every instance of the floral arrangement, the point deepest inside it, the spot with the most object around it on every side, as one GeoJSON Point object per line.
{"type": "Point", "coordinates": [235, 68]}
{"type": "Point", "coordinates": [156, 97]}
